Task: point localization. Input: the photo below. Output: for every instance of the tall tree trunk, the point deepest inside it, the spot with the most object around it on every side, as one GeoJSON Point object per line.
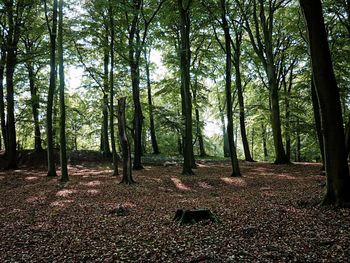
{"type": "Point", "coordinates": [2, 103]}
{"type": "Point", "coordinates": [198, 126]}
{"type": "Point", "coordinates": [35, 108]}
{"type": "Point", "coordinates": [105, 142]}
{"type": "Point", "coordinates": [263, 135]}
{"type": "Point", "coordinates": [123, 138]}
{"type": "Point", "coordinates": [150, 108]}
{"type": "Point", "coordinates": [50, 98]}
{"type": "Point", "coordinates": [317, 118]}
{"type": "Point", "coordinates": [280, 155]}
{"type": "Point", "coordinates": [287, 90]}
{"type": "Point", "coordinates": [228, 70]}
{"type": "Point", "coordinates": [106, 152]}
{"type": "Point", "coordinates": [245, 143]}
{"type": "Point", "coordinates": [185, 60]}
{"type": "Point", "coordinates": [111, 83]}
{"type": "Point", "coordinates": [298, 148]}
{"type": "Point", "coordinates": [63, 153]}
{"type": "Point", "coordinates": [11, 61]}
{"type": "Point", "coordinates": [138, 117]}
{"type": "Point", "coordinates": [337, 170]}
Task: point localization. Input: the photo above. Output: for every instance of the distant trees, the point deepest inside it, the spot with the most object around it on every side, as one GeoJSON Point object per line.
{"type": "Point", "coordinates": [260, 79]}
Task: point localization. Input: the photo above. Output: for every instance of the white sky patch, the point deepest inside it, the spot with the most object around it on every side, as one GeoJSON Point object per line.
{"type": "Point", "coordinates": [74, 77]}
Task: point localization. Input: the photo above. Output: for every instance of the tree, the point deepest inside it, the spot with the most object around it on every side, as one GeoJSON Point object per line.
{"type": "Point", "coordinates": [111, 91]}
{"type": "Point", "coordinates": [52, 86]}
{"type": "Point", "coordinates": [150, 104]}
{"type": "Point", "coordinates": [227, 48]}
{"type": "Point", "coordinates": [185, 63]}
{"type": "Point", "coordinates": [264, 45]}
{"type": "Point", "coordinates": [337, 170]}
{"type": "Point", "coordinates": [63, 154]}
{"type": "Point", "coordinates": [124, 141]}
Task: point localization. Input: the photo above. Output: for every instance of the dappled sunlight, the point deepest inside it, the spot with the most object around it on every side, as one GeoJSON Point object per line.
{"type": "Point", "coordinates": [93, 191]}
{"type": "Point", "coordinates": [204, 185]}
{"type": "Point", "coordinates": [286, 176]}
{"type": "Point", "coordinates": [36, 199]}
{"type": "Point", "coordinates": [92, 183]}
{"type": "Point", "coordinates": [31, 178]}
{"type": "Point", "coordinates": [61, 203]}
{"type": "Point", "coordinates": [262, 170]}
{"type": "Point", "coordinates": [179, 185]}
{"type": "Point", "coordinates": [2, 177]}
{"type": "Point", "coordinates": [65, 192]}
{"type": "Point", "coordinates": [236, 181]}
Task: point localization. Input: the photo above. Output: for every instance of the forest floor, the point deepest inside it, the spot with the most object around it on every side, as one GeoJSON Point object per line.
{"type": "Point", "coordinates": [270, 214]}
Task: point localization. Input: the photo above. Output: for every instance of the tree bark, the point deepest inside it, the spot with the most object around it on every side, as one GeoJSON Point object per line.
{"type": "Point", "coordinates": [63, 144]}
{"type": "Point", "coordinates": [185, 60]}
{"type": "Point", "coordinates": [2, 103]}
{"type": "Point", "coordinates": [247, 154]}
{"type": "Point", "coordinates": [11, 61]}
{"type": "Point", "coordinates": [228, 70]}
{"type": "Point", "coordinates": [317, 118]}
{"type": "Point", "coordinates": [123, 138]}
{"type": "Point", "coordinates": [50, 98]}
{"type": "Point", "coordinates": [337, 170]}
{"type": "Point", "coordinates": [35, 107]}
{"type": "Point", "coordinates": [111, 83]}
{"type": "Point", "coordinates": [150, 108]}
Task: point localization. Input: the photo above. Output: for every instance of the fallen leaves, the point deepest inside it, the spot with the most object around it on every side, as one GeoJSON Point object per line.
{"type": "Point", "coordinates": [270, 214]}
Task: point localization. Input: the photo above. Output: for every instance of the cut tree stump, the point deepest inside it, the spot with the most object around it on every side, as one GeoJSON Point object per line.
{"type": "Point", "coordinates": [194, 216]}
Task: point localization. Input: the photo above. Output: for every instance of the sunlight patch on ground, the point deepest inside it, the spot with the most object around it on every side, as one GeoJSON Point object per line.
{"type": "Point", "coordinates": [93, 191]}
{"type": "Point", "coordinates": [61, 203]}
{"type": "Point", "coordinates": [92, 183]}
{"type": "Point", "coordinates": [262, 170]}
{"type": "Point", "coordinates": [205, 185]}
{"type": "Point", "coordinates": [36, 199]}
{"type": "Point", "coordinates": [286, 176]}
{"type": "Point", "coordinates": [65, 192]}
{"type": "Point", "coordinates": [31, 178]}
{"type": "Point", "coordinates": [179, 185]}
{"type": "Point", "coordinates": [240, 182]}
{"type": "Point", "coordinates": [2, 177]}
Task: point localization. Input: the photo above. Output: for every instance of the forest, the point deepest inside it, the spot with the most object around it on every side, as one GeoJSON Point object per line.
{"type": "Point", "coordinates": [174, 130]}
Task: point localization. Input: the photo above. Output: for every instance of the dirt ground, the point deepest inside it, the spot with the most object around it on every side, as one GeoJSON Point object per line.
{"type": "Point", "coordinates": [271, 214]}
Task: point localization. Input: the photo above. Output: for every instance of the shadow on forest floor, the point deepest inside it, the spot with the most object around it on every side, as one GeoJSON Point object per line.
{"type": "Point", "coordinates": [270, 214]}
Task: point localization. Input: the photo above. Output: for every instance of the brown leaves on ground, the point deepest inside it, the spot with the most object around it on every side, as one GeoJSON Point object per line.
{"type": "Point", "coordinates": [270, 214]}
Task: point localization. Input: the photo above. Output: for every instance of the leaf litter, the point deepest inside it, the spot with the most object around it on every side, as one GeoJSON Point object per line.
{"type": "Point", "coordinates": [270, 214]}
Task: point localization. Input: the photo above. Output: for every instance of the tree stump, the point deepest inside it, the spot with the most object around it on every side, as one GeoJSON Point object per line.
{"type": "Point", "coordinates": [194, 216]}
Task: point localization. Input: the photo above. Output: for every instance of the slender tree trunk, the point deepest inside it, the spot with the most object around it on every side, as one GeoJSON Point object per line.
{"type": "Point", "coordinates": [287, 91]}
{"type": "Point", "coordinates": [317, 118]}
{"type": "Point", "coordinates": [150, 108]}
{"type": "Point", "coordinates": [123, 138]}
{"type": "Point", "coordinates": [2, 103]}
{"type": "Point", "coordinates": [111, 82]}
{"type": "Point", "coordinates": [280, 155]}
{"type": "Point", "coordinates": [298, 149]}
{"type": "Point", "coordinates": [35, 108]}
{"type": "Point", "coordinates": [245, 143]}
{"type": "Point", "coordinates": [263, 135]}
{"type": "Point", "coordinates": [11, 61]}
{"type": "Point", "coordinates": [63, 154]}
{"type": "Point", "coordinates": [50, 98]}
{"type": "Point", "coordinates": [198, 126]}
{"type": "Point", "coordinates": [337, 170]}
{"type": "Point", "coordinates": [185, 60]}
{"type": "Point", "coordinates": [104, 140]}
{"type": "Point", "coordinates": [228, 70]}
